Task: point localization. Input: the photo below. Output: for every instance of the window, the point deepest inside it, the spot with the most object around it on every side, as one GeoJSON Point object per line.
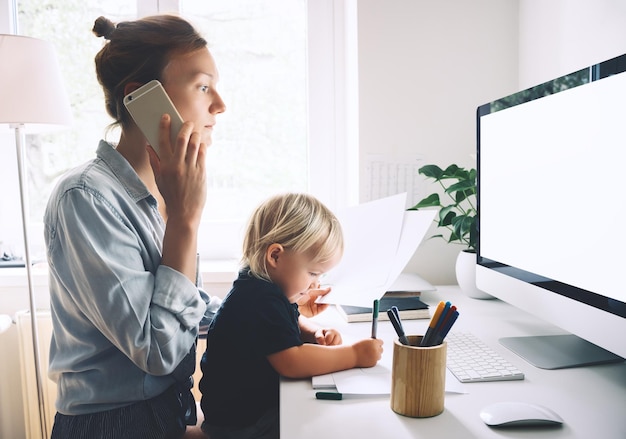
{"type": "Point", "coordinates": [260, 142]}
{"type": "Point", "coordinates": [279, 85]}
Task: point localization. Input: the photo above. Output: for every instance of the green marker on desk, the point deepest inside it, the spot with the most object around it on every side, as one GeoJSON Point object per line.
{"type": "Point", "coordinates": [333, 396]}
{"type": "Point", "coordinates": [375, 318]}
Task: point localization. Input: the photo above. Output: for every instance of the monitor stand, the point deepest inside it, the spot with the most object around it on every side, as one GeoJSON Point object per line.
{"type": "Point", "coordinates": [558, 351]}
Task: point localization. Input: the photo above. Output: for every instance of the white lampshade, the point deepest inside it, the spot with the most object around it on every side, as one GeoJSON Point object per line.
{"type": "Point", "coordinates": [31, 88]}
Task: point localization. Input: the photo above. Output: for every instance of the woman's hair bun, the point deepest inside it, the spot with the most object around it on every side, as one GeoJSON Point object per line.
{"type": "Point", "coordinates": [103, 27]}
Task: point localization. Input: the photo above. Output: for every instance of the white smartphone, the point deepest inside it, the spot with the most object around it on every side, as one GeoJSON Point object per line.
{"type": "Point", "coordinates": [146, 105]}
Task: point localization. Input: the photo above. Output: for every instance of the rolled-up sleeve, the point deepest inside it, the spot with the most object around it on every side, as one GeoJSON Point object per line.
{"type": "Point", "coordinates": [176, 294]}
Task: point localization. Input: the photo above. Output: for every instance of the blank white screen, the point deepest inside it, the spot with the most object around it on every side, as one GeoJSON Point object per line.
{"type": "Point", "coordinates": [552, 201]}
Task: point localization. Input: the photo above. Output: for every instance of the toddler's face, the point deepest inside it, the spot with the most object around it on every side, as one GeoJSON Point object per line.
{"type": "Point", "coordinates": [296, 273]}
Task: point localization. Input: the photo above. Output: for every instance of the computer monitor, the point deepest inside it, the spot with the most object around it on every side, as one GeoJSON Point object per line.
{"type": "Point", "coordinates": [552, 212]}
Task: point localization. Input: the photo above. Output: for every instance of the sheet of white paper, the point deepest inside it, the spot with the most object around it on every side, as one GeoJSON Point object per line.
{"type": "Point", "coordinates": [453, 385]}
{"type": "Point", "coordinates": [371, 381]}
{"type": "Point", "coordinates": [414, 226]}
{"type": "Point", "coordinates": [380, 239]}
{"type": "Point", "coordinates": [411, 282]}
{"type": "Point", "coordinates": [371, 235]}
{"type": "Point", "coordinates": [375, 381]}
{"type": "Point", "coordinates": [325, 381]}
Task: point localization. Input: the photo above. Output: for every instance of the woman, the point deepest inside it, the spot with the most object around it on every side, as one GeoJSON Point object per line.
{"type": "Point", "coordinates": [121, 236]}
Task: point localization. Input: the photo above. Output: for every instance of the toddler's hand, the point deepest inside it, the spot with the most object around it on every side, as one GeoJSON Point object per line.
{"type": "Point", "coordinates": [368, 352]}
{"type": "Point", "coordinates": [307, 305]}
{"type": "Point", "coordinates": [327, 337]}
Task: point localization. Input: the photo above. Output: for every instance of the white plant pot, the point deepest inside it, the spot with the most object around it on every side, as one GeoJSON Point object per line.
{"type": "Point", "coordinates": [466, 275]}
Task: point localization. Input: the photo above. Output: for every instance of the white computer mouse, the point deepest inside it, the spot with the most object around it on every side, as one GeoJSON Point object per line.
{"type": "Point", "coordinates": [519, 414]}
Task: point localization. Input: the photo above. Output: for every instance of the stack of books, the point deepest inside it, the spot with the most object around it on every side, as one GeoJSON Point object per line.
{"type": "Point", "coordinates": [409, 306]}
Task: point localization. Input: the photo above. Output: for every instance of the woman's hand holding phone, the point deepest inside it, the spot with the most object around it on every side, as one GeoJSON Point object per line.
{"type": "Point", "coordinates": [176, 152]}
{"type": "Point", "coordinates": [177, 156]}
{"type": "Point", "coordinates": [180, 171]}
{"type": "Point", "coordinates": [180, 174]}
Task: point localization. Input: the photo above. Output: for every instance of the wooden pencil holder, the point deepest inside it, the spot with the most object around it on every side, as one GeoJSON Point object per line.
{"type": "Point", "coordinates": [418, 378]}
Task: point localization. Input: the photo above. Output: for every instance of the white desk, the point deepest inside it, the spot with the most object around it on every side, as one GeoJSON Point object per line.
{"type": "Point", "coordinates": [591, 400]}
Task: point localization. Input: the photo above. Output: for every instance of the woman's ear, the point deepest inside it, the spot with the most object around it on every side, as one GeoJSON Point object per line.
{"type": "Point", "coordinates": [131, 87]}
{"type": "Point", "coordinates": [272, 254]}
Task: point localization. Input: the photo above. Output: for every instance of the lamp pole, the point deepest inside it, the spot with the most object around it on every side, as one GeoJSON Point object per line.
{"type": "Point", "coordinates": [20, 142]}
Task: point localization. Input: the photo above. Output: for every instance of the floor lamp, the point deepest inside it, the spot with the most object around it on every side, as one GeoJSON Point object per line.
{"type": "Point", "coordinates": [32, 99]}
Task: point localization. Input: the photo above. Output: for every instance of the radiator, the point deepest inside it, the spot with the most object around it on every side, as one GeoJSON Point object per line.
{"type": "Point", "coordinates": [29, 383]}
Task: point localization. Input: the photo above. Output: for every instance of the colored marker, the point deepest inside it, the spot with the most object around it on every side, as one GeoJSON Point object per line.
{"type": "Point", "coordinates": [442, 317]}
{"type": "Point", "coordinates": [394, 309]}
{"type": "Point", "coordinates": [337, 396]}
{"type": "Point", "coordinates": [443, 322]}
{"type": "Point", "coordinates": [334, 396]}
{"type": "Point", "coordinates": [375, 318]}
{"type": "Point", "coordinates": [394, 318]}
{"type": "Point", "coordinates": [446, 327]}
{"type": "Point", "coordinates": [432, 324]}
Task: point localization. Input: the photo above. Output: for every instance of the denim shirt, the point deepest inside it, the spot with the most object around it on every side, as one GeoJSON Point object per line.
{"type": "Point", "coordinates": [122, 322]}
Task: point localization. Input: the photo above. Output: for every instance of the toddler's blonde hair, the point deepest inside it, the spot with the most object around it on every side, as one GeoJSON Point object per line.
{"type": "Point", "coordinates": [298, 222]}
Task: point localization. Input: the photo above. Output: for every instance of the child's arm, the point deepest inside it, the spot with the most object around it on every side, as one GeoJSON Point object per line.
{"type": "Point", "coordinates": [313, 359]}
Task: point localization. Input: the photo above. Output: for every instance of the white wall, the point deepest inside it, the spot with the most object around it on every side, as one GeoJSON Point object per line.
{"type": "Point", "coordinates": [424, 67]}
{"type": "Point", "coordinates": [561, 36]}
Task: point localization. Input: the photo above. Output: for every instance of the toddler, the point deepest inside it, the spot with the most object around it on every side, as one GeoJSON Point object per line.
{"type": "Point", "coordinates": [258, 333]}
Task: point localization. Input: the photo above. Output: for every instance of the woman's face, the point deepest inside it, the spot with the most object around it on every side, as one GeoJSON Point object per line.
{"type": "Point", "coordinates": [190, 80]}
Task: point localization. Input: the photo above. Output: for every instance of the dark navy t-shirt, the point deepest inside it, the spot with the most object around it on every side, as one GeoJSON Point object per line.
{"type": "Point", "coordinates": [238, 384]}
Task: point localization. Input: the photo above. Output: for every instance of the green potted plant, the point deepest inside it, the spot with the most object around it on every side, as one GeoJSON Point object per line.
{"type": "Point", "coordinates": [457, 213]}
{"type": "Point", "coordinates": [457, 216]}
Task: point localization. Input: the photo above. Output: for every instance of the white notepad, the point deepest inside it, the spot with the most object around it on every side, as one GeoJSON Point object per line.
{"type": "Point", "coordinates": [370, 381]}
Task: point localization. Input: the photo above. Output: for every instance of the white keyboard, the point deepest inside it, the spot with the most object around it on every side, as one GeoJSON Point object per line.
{"type": "Point", "coordinates": [472, 361]}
